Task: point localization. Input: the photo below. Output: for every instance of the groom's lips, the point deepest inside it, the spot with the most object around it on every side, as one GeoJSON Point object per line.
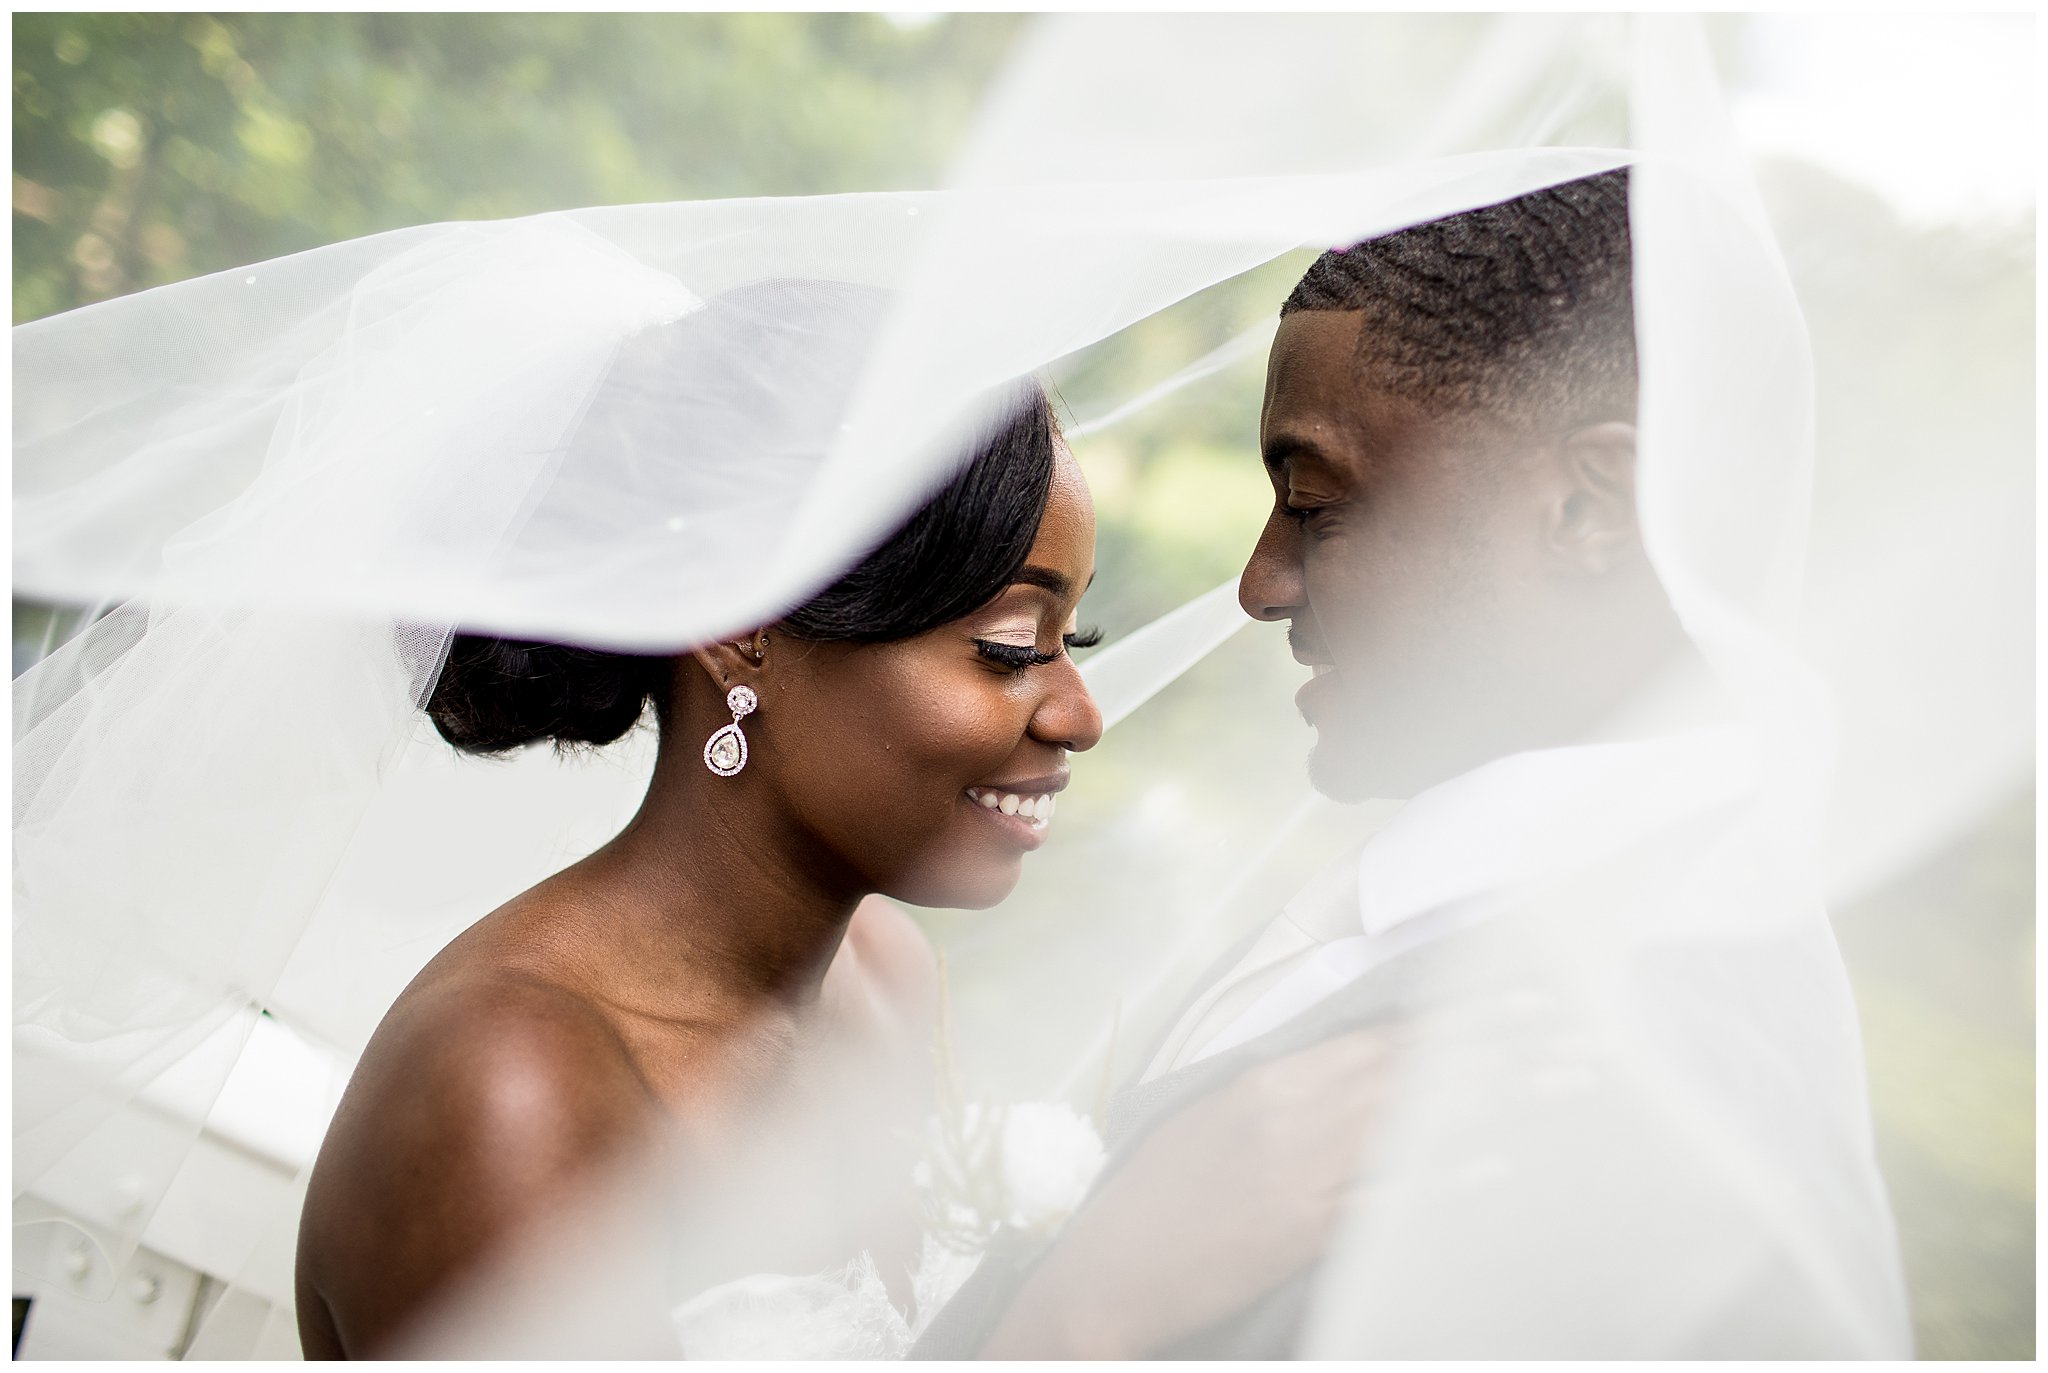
{"type": "Point", "coordinates": [1304, 645]}
{"type": "Point", "coordinates": [1311, 656]}
{"type": "Point", "coordinates": [1307, 694]}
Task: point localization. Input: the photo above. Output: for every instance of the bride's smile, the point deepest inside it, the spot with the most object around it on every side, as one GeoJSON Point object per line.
{"type": "Point", "coordinates": [1023, 808]}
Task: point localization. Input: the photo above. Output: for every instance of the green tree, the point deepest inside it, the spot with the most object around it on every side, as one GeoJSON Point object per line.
{"type": "Point", "coordinates": [153, 147]}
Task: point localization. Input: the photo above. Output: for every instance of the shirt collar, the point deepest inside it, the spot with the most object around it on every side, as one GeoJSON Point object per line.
{"type": "Point", "coordinates": [1541, 814]}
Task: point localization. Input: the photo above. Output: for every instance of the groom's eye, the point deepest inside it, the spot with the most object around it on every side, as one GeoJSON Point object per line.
{"type": "Point", "coordinates": [1318, 520]}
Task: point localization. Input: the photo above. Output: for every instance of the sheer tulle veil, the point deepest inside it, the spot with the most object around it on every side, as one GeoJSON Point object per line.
{"type": "Point", "coordinates": [294, 480]}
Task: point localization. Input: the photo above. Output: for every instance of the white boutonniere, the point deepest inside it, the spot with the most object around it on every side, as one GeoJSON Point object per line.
{"type": "Point", "coordinates": [1024, 1164]}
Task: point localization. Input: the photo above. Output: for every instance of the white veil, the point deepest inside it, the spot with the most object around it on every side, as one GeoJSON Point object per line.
{"type": "Point", "coordinates": [299, 477]}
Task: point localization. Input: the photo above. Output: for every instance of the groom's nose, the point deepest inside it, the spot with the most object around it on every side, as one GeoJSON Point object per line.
{"type": "Point", "coordinates": [1271, 587]}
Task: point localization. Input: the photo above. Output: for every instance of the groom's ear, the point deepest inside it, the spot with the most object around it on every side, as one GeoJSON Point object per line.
{"type": "Point", "coordinates": [735, 659]}
{"type": "Point", "coordinates": [1591, 523]}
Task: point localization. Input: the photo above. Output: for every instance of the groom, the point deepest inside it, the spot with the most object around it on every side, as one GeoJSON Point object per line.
{"type": "Point", "coordinates": [1448, 428]}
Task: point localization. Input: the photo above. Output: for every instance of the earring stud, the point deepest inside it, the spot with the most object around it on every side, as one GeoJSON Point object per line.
{"type": "Point", "coordinates": [725, 752]}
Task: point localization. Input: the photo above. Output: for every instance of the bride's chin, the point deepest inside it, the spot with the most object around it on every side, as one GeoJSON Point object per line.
{"type": "Point", "coordinates": [970, 885]}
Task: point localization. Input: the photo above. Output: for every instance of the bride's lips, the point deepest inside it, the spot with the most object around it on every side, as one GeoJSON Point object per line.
{"type": "Point", "coordinates": [1022, 809]}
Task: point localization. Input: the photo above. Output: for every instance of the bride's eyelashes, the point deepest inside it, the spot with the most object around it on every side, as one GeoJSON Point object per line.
{"type": "Point", "coordinates": [1012, 655]}
{"type": "Point", "coordinates": [1016, 656]}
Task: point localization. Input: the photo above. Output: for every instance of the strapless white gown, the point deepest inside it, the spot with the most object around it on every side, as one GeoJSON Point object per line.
{"type": "Point", "coordinates": [1049, 1157]}
{"type": "Point", "coordinates": [844, 1314]}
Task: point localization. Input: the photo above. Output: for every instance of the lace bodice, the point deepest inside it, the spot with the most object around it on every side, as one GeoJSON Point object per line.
{"type": "Point", "coordinates": [1043, 1159]}
{"type": "Point", "coordinates": [843, 1314]}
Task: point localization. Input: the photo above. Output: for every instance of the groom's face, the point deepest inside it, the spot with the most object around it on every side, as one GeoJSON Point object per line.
{"type": "Point", "coordinates": [1402, 552]}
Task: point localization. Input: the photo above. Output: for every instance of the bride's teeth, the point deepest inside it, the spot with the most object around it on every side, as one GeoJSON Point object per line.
{"type": "Point", "coordinates": [1035, 808]}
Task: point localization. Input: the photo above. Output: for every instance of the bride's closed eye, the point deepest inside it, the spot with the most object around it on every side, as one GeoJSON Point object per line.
{"type": "Point", "coordinates": [1016, 656]}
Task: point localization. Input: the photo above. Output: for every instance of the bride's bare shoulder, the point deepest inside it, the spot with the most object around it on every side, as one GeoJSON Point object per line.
{"type": "Point", "coordinates": [502, 1042]}
{"type": "Point", "coordinates": [485, 1102]}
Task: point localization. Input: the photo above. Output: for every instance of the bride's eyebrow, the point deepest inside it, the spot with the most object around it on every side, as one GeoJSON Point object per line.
{"type": "Point", "coordinates": [1058, 583]}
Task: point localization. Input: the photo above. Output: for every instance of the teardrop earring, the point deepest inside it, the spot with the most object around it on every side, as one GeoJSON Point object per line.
{"type": "Point", "coordinates": [725, 752]}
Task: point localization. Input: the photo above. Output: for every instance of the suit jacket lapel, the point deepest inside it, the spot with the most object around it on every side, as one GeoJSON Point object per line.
{"type": "Point", "coordinates": [1214, 973]}
{"type": "Point", "coordinates": [1381, 995]}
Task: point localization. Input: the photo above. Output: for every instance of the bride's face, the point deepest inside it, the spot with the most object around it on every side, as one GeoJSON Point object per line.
{"type": "Point", "coordinates": [928, 766]}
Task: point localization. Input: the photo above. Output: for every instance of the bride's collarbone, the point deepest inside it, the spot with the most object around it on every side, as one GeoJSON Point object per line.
{"type": "Point", "coordinates": [708, 1049]}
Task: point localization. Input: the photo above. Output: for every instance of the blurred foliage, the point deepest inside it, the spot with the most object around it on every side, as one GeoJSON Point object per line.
{"type": "Point", "coordinates": [153, 147]}
{"type": "Point", "coordinates": [1943, 963]}
{"type": "Point", "coordinates": [1942, 959]}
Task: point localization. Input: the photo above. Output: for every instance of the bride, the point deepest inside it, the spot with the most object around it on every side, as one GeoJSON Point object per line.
{"type": "Point", "coordinates": [903, 732]}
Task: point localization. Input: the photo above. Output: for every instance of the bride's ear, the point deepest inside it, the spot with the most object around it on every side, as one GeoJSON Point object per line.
{"type": "Point", "coordinates": [733, 660]}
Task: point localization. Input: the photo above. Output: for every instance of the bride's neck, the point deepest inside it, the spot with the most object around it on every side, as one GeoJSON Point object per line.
{"type": "Point", "coordinates": [727, 896]}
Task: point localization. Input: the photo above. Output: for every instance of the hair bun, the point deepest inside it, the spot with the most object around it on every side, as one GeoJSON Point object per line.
{"type": "Point", "coordinates": [496, 695]}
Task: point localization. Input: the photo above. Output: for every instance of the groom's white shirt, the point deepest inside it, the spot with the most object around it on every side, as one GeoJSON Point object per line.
{"type": "Point", "coordinates": [1750, 1139]}
{"type": "Point", "coordinates": [1454, 856]}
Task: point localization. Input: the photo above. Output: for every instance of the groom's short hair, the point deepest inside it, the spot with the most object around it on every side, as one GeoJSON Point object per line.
{"type": "Point", "coordinates": [1520, 312]}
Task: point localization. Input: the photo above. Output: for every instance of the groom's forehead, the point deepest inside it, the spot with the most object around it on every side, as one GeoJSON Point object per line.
{"type": "Point", "coordinates": [1314, 348]}
{"type": "Point", "coordinates": [1328, 408]}
{"type": "Point", "coordinates": [1312, 397]}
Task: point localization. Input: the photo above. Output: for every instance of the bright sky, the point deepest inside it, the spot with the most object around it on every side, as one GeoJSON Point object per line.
{"type": "Point", "coordinates": [1935, 112]}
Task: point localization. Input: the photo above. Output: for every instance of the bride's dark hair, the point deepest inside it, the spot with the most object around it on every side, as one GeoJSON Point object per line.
{"type": "Point", "coordinates": [958, 551]}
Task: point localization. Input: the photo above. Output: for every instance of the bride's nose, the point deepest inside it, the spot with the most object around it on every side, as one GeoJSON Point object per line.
{"type": "Point", "coordinates": [1067, 716]}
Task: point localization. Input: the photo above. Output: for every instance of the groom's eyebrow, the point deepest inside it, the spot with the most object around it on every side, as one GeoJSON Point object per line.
{"type": "Point", "coordinates": [1282, 449]}
{"type": "Point", "coordinates": [1289, 455]}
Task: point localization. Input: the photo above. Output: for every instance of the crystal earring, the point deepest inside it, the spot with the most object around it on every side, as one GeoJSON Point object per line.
{"type": "Point", "coordinates": [725, 752]}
